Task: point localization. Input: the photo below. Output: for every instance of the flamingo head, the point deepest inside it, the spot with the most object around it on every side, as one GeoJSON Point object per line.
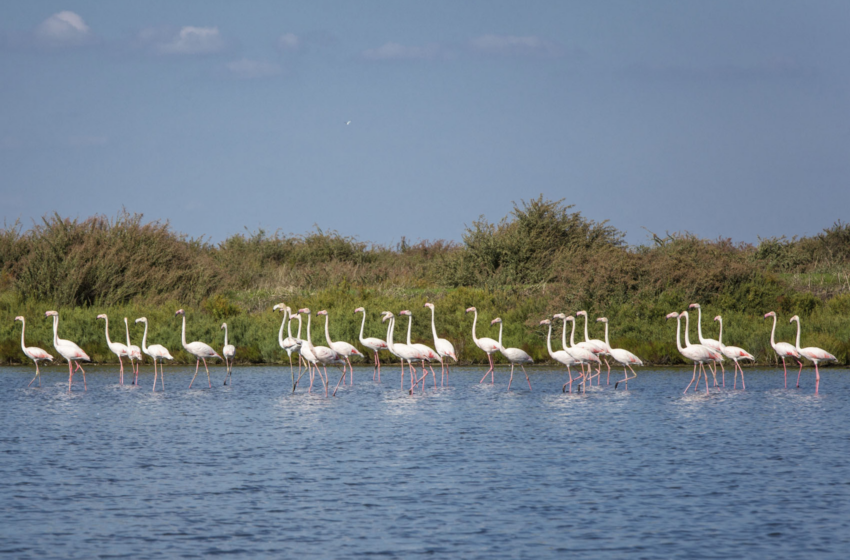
{"type": "Point", "coordinates": [180, 312]}
{"type": "Point", "coordinates": [602, 320]}
{"type": "Point", "coordinates": [770, 314]}
{"type": "Point", "coordinates": [19, 318]}
{"type": "Point", "coordinates": [545, 322]}
{"type": "Point", "coordinates": [718, 318]}
{"type": "Point", "coordinates": [305, 310]}
{"type": "Point", "coordinates": [51, 313]}
{"type": "Point", "coordinates": [141, 320]}
{"type": "Point", "coordinates": [496, 320]}
{"type": "Point", "coordinates": [224, 325]}
{"type": "Point", "coordinates": [430, 306]}
{"type": "Point", "coordinates": [693, 306]}
{"type": "Point", "coordinates": [569, 318]}
{"type": "Point", "coordinates": [385, 315]}
{"type": "Point", "coordinates": [279, 307]}
{"type": "Point", "coordinates": [102, 316]}
{"type": "Point", "coordinates": [406, 312]}
{"type": "Point", "coordinates": [581, 313]}
{"type": "Point", "coordinates": [559, 316]}
{"type": "Point", "coordinates": [683, 314]}
{"type": "Point", "coordinates": [322, 312]}
{"type": "Point", "coordinates": [673, 315]}
{"type": "Point", "coordinates": [360, 310]}
{"type": "Point", "coordinates": [470, 309]}
{"type": "Point", "coordinates": [794, 318]}
{"type": "Point", "coordinates": [296, 316]}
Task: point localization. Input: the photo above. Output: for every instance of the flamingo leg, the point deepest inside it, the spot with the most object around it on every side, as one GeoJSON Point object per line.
{"type": "Point", "coordinates": [692, 379]}
{"type": "Point", "coordinates": [86, 388]}
{"type": "Point", "coordinates": [375, 369]}
{"type": "Point", "coordinates": [338, 382]}
{"type": "Point", "coordinates": [702, 367]}
{"type": "Point", "coordinates": [36, 375]}
{"type": "Point", "coordinates": [526, 376]}
{"type": "Point", "coordinates": [208, 372]}
{"type": "Point", "coordinates": [512, 376]}
{"type": "Point", "coordinates": [324, 382]}
{"type": "Point", "coordinates": [70, 376]}
{"type": "Point", "coordinates": [197, 365]}
{"type": "Point", "coordinates": [743, 385]}
{"type": "Point", "coordinates": [608, 382]}
{"type": "Point", "coordinates": [162, 375]}
{"type": "Point", "coordinates": [300, 374]}
{"type": "Point", "coordinates": [785, 369]}
{"type": "Point", "coordinates": [817, 378]}
{"type": "Point", "coordinates": [801, 371]}
{"type": "Point", "coordinates": [434, 375]}
{"type": "Point", "coordinates": [570, 382]}
{"type": "Point", "coordinates": [154, 376]}
{"type": "Point", "coordinates": [723, 369]}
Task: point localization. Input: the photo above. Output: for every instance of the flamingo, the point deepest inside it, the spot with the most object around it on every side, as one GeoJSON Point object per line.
{"type": "Point", "coordinates": [488, 345]}
{"type": "Point", "coordinates": [68, 350]}
{"type": "Point", "coordinates": [372, 343]}
{"type": "Point", "coordinates": [578, 351]}
{"type": "Point", "coordinates": [155, 351]}
{"type": "Point", "coordinates": [306, 353]}
{"type": "Point", "coordinates": [783, 349]}
{"type": "Point", "coordinates": [229, 351]}
{"type": "Point", "coordinates": [425, 353]}
{"type": "Point", "coordinates": [734, 353]}
{"type": "Point", "coordinates": [597, 347]}
{"type": "Point", "coordinates": [32, 352]}
{"type": "Point", "coordinates": [624, 357]}
{"type": "Point", "coordinates": [321, 354]}
{"type": "Point", "coordinates": [514, 355]}
{"type": "Point", "coordinates": [289, 343]}
{"type": "Point", "coordinates": [344, 349]}
{"type": "Point", "coordinates": [201, 351]}
{"type": "Point", "coordinates": [709, 343]}
{"type": "Point", "coordinates": [561, 356]}
{"type": "Point", "coordinates": [443, 347]}
{"type": "Point", "coordinates": [135, 353]}
{"type": "Point", "coordinates": [116, 348]}
{"type": "Point", "coordinates": [698, 353]}
{"type": "Point", "coordinates": [401, 351]}
{"type": "Point", "coordinates": [811, 353]}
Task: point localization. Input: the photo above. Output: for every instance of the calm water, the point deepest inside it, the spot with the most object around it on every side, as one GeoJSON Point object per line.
{"type": "Point", "coordinates": [470, 471]}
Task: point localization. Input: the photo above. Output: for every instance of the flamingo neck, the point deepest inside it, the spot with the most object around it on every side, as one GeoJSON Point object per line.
{"type": "Point", "coordinates": [608, 344]}
{"type": "Point", "coordinates": [55, 330]}
{"type": "Point", "coordinates": [564, 335]}
{"type": "Point", "coordinates": [772, 332]}
{"type": "Point", "coordinates": [362, 326]}
{"type": "Point", "coordinates": [327, 334]}
{"type": "Point", "coordinates": [390, 329]}
{"type": "Point", "coordinates": [586, 338]}
{"type": "Point", "coordinates": [225, 334]}
{"type": "Point", "coordinates": [433, 327]}
{"type": "Point", "coordinates": [678, 335]}
{"type": "Point", "coordinates": [309, 323]}
{"type": "Point", "coordinates": [298, 336]}
{"type": "Point", "coordinates": [798, 334]}
{"type": "Point", "coordinates": [286, 312]}
{"type": "Point", "coordinates": [720, 334]}
{"type": "Point", "coordinates": [280, 332]}
{"type": "Point", "coordinates": [127, 330]}
{"type": "Point", "coordinates": [409, 325]}
{"type": "Point", "coordinates": [500, 335]}
{"type": "Point", "coordinates": [687, 328]}
{"type": "Point", "coordinates": [699, 324]}
{"type": "Point", "coordinates": [474, 320]}
{"type": "Point", "coordinates": [573, 334]}
{"type": "Point", "coordinates": [183, 335]}
{"type": "Point", "coordinates": [23, 328]}
{"type": "Point", "coordinates": [549, 341]}
{"type": "Point", "coordinates": [106, 320]}
{"type": "Point", "coordinates": [145, 339]}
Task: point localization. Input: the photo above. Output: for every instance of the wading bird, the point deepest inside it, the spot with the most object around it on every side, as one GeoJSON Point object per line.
{"type": "Point", "coordinates": [68, 350]}
{"type": "Point", "coordinates": [711, 344]}
{"type": "Point", "coordinates": [488, 345]}
{"type": "Point", "coordinates": [116, 348]}
{"type": "Point", "coordinates": [514, 355]}
{"type": "Point", "coordinates": [157, 352]}
{"type": "Point", "coordinates": [401, 351]}
{"type": "Point", "coordinates": [229, 351]}
{"type": "Point", "coordinates": [32, 352]}
{"type": "Point", "coordinates": [290, 344]}
{"type": "Point", "coordinates": [581, 353]}
{"type": "Point", "coordinates": [561, 356]}
{"type": "Point", "coordinates": [443, 347]}
{"type": "Point", "coordinates": [734, 353]}
{"type": "Point", "coordinates": [624, 357]}
{"type": "Point", "coordinates": [811, 353]}
{"type": "Point", "coordinates": [372, 343]}
{"type": "Point", "coordinates": [597, 347]}
{"type": "Point", "coordinates": [783, 349]}
{"type": "Point", "coordinates": [425, 353]}
{"type": "Point", "coordinates": [344, 349]}
{"type": "Point", "coordinates": [322, 354]}
{"type": "Point", "coordinates": [201, 351]}
{"type": "Point", "coordinates": [135, 353]}
{"type": "Point", "coordinates": [697, 353]}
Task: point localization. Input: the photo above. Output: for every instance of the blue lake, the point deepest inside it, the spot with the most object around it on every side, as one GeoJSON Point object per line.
{"type": "Point", "coordinates": [469, 471]}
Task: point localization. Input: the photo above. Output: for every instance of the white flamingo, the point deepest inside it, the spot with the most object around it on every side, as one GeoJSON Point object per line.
{"type": "Point", "coordinates": [488, 345]}
{"type": "Point", "coordinates": [33, 352]}
{"type": "Point", "coordinates": [425, 352]}
{"type": "Point", "coordinates": [597, 347]}
{"type": "Point", "coordinates": [135, 353]}
{"type": "Point", "coordinates": [401, 351]}
{"type": "Point", "coordinates": [344, 349]}
{"type": "Point", "coordinates": [201, 351]}
{"type": "Point", "coordinates": [306, 353]}
{"type": "Point", "coordinates": [580, 351]}
{"type": "Point", "coordinates": [811, 353]}
{"type": "Point", "coordinates": [229, 351]}
{"type": "Point", "coordinates": [116, 348]}
{"type": "Point", "coordinates": [711, 344]}
{"type": "Point", "coordinates": [372, 343]}
{"type": "Point", "coordinates": [783, 349]}
{"type": "Point", "coordinates": [561, 356]}
{"type": "Point", "coordinates": [290, 344]}
{"type": "Point", "coordinates": [321, 354]}
{"type": "Point", "coordinates": [157, 352]}
{"type": "Point", "coordinates": [514, 356]}
{"type": "Point", "coordinates": [623, 357]}
{"type": "Point", "coordinates": [68, 350]}
{"type": "Point", "coordinates": [443, 347]}
{"type": "Point", "coordinates": [698, 353]}
{"type": "Point", "coordinates": [734, 353]}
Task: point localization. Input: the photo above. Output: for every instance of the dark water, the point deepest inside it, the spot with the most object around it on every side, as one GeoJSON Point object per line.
{"type": "Point", "coordinates": [470, 471]}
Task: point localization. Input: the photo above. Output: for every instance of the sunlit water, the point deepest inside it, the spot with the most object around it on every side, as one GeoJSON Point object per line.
{"type": "Point", "coordinates": [469, 471]}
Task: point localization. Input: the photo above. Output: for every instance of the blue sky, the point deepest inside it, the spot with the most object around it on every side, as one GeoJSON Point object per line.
{"type": "Point", "coordinates": [721, 118]}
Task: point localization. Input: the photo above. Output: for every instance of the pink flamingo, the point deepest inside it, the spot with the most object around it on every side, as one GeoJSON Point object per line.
{"type": "Point", "coordinates": [561, 356]}
{"type": "Point", "coordinates": [734, 353]}
{"type": "Point", "coordinates": [783, 349]}
{"type": "Point", "coordinates": [323, 355]}
{"type": "Point", "coordinates": [200, 350]}
{"type": "Point", "coordinates": [229, 352]}
{"type": "Point", "coordinates": [156, 351]}
{"type": "Point", "coordinates": [811, 353]}
{"type": "Point", "coordinates": [344, 349]}
{"type": "Point", "coordinates": [135, 353]}
{"type": "Point", "coordinates": [68, 350]}
{"type": "Point", "coordinates": [401, 351]}
{"type": "Point", "coordinates": [698, 353]}
{"type": "Point", "coordinates": [488, 345]}
{"type": "Point", "coordinates": [310, 358]}
{"type": "Point", "coordinates": [623, 357]}
{"type": "Point", "coordinates": [711, 344]}
{"type": "Point", "coordinates": [32, 352]}
{"type": "Point", "coordinates": [116, 348]}
{"type": "Point", "coordinates": [581, 351]}
{"type": "Point", "coordinates": [443, 347]}
{"type": "Point", "coordinates": [290, 344]}
{"type": "Point", "coordinates": [372, 343]}
{"type": "Point", "coordinates": [425, 353]}
{"type": "Point", "coordinates": [514, 356]}
{"type": "Point", "coordinates": [597, 347]}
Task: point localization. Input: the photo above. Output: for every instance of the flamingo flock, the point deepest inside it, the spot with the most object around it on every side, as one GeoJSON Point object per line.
{"type": "Point", "coordinates": [314, 360]}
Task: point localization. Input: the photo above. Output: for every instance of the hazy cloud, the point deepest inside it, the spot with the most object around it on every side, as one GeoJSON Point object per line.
{"type": "Point", "coordinates": [397, 51]}
{"type": "Point", "coordinates": [63, 29]}
{"type": "Point", "coordinates": [189, 40]}
{"type": "Point", "coordinates": [514, 45]}
{"type": "Point", "coordinates": [248, 69]}
{"type": "Point", "coordinates": [289, 42]}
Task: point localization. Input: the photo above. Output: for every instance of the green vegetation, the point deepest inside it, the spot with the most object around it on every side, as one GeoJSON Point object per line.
{"type": "Point", "coordinates": [541, 259]}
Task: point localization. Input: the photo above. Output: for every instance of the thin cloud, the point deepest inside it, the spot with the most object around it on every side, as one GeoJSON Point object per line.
{"type": "Point", "coordinates": [514, 45]}
{"type": "Point", "coordinates": [251, 69]}
{"type": "Point", "coordinates": [397, 51]}
{"type": "Point", "coordinates": [190, 40]}
{"type": "Point", "coordinates": [63, 29]}
{"type": "Point", "coordinates": [289, 42]}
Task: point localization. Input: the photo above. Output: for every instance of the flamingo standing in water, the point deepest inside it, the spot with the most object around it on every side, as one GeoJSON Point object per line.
{"type": "Point", "coordinates": [597, 347]}
{"type": "Point", "coordinates": [68, 350]}
{"type": "Point", "coordinates": [425, 353]}
{"type": "Point", "coordinates": [561, 356]}
{"type": "Point", "coordinates": [344, 349]}
{"type": "Point", "coordinates": [201, 351]}
{"type": "Point", "coordinates": [734, 353]}
{"type": "Point", "coordinates": [783, 349]}
{"type": "Point", "coordinates": [116, 348]}
{"type": "Point", "coordinates": [401, 351]}
{"type": "Point", "coordinates": [624, 357]}
{"type": "Point", "coordinates": [372, 343]}
{"type": "Point", "coordinates": [443, 347]}
{"type": "Point", "coordinates": [697, 353]}
{"type": "Point", "coordinates": [289, 343]}
{"type": "Point", "coordinates": [32, 352]}
{"type": "Point", "coordinates": [488, 345]}
{"type": "Point", "coordinates": [157, 352]}
{"type": "Point", "coordinates": [811, 353]}
{"type": "Point", "coordinates": [514, 355]}
{"type": "Point", "coordinates": [229, 351]}
{"type": "Point", "coordinates": [711, 344]}
{"type": "Point", "coordinates": [321, 354]}
{"type": "Point", "coordinates": [134, 352]}
{"type": "Point", "coordinates": [581, 351]}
